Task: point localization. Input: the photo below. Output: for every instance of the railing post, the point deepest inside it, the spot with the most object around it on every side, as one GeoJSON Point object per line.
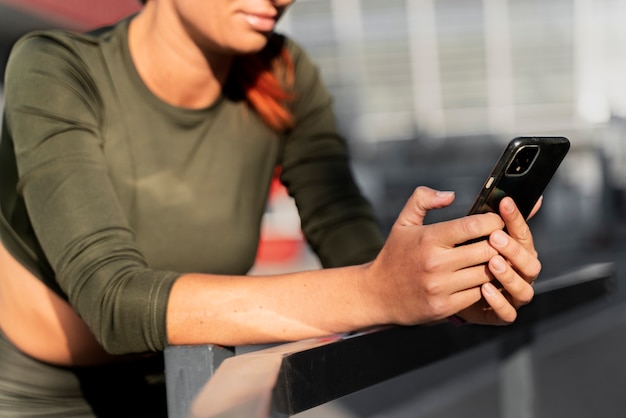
{"type": "Point", "coordinates": [517, 391]}
{"type": "Point", "coordinates": [187, 369]}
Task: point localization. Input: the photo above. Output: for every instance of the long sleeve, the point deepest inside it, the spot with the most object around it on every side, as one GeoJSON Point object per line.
{"type": "Point", "coordinates": [53, 118]}
{"type": "Point", "coordinates": [337, 220]}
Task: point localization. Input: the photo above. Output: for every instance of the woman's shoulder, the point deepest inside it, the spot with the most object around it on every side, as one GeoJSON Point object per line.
{"type": "Point", "coordinates": [36, 47]}
{"type": "Point", "coordinates": [57, 44]}
{"type": "Point", "coordinates": [40, 40]}
{"type": "Point", "coordinates": [56, 63]}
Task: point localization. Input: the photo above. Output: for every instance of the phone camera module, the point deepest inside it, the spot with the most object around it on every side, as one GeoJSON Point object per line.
{"type": "Point", "coordinates": [523, 160]}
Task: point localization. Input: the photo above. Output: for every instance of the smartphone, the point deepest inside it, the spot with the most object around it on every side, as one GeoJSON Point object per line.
{"type": "Point", "coordinates": [522, 172]}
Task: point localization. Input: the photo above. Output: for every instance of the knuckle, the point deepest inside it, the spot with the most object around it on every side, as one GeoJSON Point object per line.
{"type": "Point", "coordinates": [526, 296]}
{"type": "Point", "coordinates": [418, 192]}
{"type": "Point", "coordinates": [432, 264]}
{"type": "Point", "coordinates": [507, 279]}
{"type": "Point", "coordinates": [471, 226]}
{"type": "Point", "coordinates": [498, 222]}
{"type": "Point", "coordinates": [510, 316]}
{"type": "Point", "coordinates": [433, 287]}
{"type": "Point", "coordinates": [514, 249]}
{"type": "Point", "coordinates": [531, 269]}
{"type": "Point", "coordinates": [524, 234]}
{"type": "Point", "coordinates": [428, 236]}
{"type": "Point", "coordinates": [437, 307]}
{"type": "Point", "coordinates": [487, 251]}
{"type": "Point", "coordinates": [536, 268]}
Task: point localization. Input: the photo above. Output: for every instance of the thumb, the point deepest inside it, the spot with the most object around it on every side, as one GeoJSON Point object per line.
{"type": "Point", "coordinates": [421, 201]}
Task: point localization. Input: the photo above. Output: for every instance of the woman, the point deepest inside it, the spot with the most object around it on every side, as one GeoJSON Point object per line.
{"type": "Point", "coordinates": [136, 162]}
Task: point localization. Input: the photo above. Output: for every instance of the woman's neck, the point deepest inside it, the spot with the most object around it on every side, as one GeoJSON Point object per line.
{"type": "Point", "coordinates": [174, 67]}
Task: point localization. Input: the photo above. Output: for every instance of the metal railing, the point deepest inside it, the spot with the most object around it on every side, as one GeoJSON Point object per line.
{"type": "Point", "coordinates": [288, 379]}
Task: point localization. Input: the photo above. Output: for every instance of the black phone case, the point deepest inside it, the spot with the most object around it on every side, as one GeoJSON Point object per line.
{"type": "Point", "coordinates": [525, 188]}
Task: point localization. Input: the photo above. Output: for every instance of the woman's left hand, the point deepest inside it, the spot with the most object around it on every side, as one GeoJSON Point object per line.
{"type": "Point", "coordinates": [514, 270]}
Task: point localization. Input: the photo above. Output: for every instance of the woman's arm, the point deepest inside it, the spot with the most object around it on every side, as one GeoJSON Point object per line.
{"type": "Point", "coordinates": [419, 276]}
{"type": "Point", "coordinates": [337, 220]}
{"type": "Point", "coordinates": [54, 116]}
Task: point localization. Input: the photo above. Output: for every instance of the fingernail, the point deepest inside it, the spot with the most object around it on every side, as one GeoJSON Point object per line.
{"type": "Point", "coordinates": [499, 238]}
{"type": "Point", "coordinates": [441, 193]}
{"type": "Point", "coordinates": [498, 265]}
{"type": "Point", "coordinates": [489, 289]}
{"type": "Point", "coordinates": [508, 205]}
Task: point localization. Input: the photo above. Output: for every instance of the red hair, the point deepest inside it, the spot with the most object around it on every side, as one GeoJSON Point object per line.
{"type": "Point", "coordinates": [265, 79]}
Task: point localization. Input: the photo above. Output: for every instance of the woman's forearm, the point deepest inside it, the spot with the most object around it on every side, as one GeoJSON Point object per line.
{"type": "Point", "coordinates": [239, 310]}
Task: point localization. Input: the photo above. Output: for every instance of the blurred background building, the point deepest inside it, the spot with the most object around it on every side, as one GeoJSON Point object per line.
{"type": "Point", "coordinates": [428, 92]}
{"type": "Point", "coordinates": [458, 67]}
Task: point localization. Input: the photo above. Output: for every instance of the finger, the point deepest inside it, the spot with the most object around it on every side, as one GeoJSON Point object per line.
{"type": "Point", "coordinates": [469, 229]}
{"type": "Point", "coordinates": [518, 289]}
{"type": "Point", "coordinates": [536, 208]}
{"type": "Point", "coordinates": [515, 223]}
{"type": "Point", "coordinates": [461, 301]}
{"type": "Point", "coordinates": [469, 278]}
{"type": "Point", "coordinates": [500, 309]}
{"type": "Point", "coordinates": [521, 259]}
{"type": "Point", "coordinates": [469, 255]}
{"type": "Point", "coordinates": [421, 201]}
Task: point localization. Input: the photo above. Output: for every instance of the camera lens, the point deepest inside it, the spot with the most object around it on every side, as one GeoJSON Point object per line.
{"type": "Point", "coordinates": [523, 160]}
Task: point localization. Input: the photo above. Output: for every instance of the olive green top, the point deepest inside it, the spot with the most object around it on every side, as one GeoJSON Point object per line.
{"type": "Point", "coordinates": [108, 194]}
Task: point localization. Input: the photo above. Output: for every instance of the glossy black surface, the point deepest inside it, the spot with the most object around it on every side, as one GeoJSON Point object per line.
{"type": "Point", "coordinates": [522, 172]}
{"type": "Point", "coordinates": [318, 375]}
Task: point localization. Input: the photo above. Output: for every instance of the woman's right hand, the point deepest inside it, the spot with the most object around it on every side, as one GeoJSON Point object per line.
{"type": "Point", "coordinates": [421, 274]}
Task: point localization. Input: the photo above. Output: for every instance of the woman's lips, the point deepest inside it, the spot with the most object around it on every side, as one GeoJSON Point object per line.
{"type": "Point", "coordinates": [261, 23]}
